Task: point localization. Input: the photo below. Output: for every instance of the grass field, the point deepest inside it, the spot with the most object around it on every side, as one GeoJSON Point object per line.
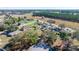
{"type": "Point", "coordinates": [31, 23]}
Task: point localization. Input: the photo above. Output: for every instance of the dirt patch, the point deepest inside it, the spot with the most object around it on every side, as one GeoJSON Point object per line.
{"type": "Point", "coordinates": [67, 23]}
{"type": "Point", "coordinates": [3, 40]}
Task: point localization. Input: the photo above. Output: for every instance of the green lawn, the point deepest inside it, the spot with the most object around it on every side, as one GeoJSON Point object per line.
{"type": "Point", "coordinates": [31, 23]}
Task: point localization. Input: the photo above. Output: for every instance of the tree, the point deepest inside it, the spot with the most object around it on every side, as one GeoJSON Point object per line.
{"type": "Point", "coordinates": [51, 35]}
{"type": "Point", "coordinates": [64, 36]}
{"type": "Point", "coordinates": [9, 24]}
{"type": "Point", "coordinates": [32, 36]}
{"type": "Point", "coordinates": [23, 40]}
{"type": "Point", "coordinates": [19, 19]}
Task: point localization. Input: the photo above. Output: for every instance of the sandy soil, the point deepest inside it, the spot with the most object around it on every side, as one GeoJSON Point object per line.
{"type": "Point", "coordinates": [3, 40]}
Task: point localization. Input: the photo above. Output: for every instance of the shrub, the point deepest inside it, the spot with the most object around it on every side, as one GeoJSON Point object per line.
{"type": "Point", "coordinates": [64, 36]}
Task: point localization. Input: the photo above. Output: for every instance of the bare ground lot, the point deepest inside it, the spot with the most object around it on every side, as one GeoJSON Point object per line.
{"type": "Point", "coordinates": [74, 25]}
{"type": "Point", "coordinates": [70, 24]}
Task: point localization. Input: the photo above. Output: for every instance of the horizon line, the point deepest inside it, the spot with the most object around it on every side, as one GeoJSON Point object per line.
{"type": "Point", "coordinates": [39, 8]}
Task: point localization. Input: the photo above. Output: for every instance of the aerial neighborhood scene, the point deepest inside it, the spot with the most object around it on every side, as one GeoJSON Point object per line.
{"type": "Point", "coordinates": [39, 30]}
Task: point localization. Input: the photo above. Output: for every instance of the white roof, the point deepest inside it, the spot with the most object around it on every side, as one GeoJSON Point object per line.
{"type": "Point", "coordinates": [68, 29]}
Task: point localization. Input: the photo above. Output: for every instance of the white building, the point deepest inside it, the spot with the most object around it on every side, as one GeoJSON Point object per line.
{"type": "Point", "coordinates": [68, 30]}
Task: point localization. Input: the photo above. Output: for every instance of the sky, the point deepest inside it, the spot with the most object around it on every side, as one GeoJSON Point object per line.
{"type": "Point", "coordinates": [55, 4]}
